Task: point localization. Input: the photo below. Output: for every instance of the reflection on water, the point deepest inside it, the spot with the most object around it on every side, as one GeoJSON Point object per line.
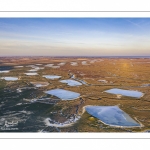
{"type": "Point", "coordinates": [4, 71]}
{"type": "Point", "coordinates": [61, 64]}
{"type": "Point", "coordinates": [38, 84]}
{"type": "Point", "coordinates": [49, 65]}
{"type": "Point", "coordinates": [130, 93]}
{"type": "Point", "coordinates": [63, 94]}
{"type": "Point", "coordinates": [33, 70]}
{"type": "Point", "coordinates": [85, 63]}
{"type": "Point", "coordinates": [31, 74]}
{"type": "Point", "coordinates": [112, 115]}
{"type": "Point", "coordinates": [10, 78]}
{"type": "Point", "coordinates": [74, 64]}
{"type": "Point", "coordinates": [51, 76]}
{"type": "Point", "coordinates": [71, 82]}
{"type": "Point", "coordinates": [18, 66]}
{"type": "Point", "coordinates": [55, 66]}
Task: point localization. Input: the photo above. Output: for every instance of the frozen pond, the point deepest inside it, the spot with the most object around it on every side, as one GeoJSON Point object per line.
{"type": "Point", "coordinates": [103, 81]}
{"type": "Point", "coordinates": [31, 74]}
{"type": "Point", "coordinates": [93, 61]}
{"type": "Point", "coordinates": [4, 71]}
{"type": "Point", "coordinates": [18, 66]}
{"type": "Point", "coordinates": [71, 82]}
{"type": "Point", "coordinates": [145, 85]}
{"type": "Point", "coordinates": [52, 76]}
{"type": "Point", "coordinates": [33, 70]}
{"type": "Point", "coordinates": [74, 64]}
{"type": "Point", "coordinates": [61, 64]}
{"type": "Point", "coordinates": [41, 67]}
{"type": "Point", "coordinates": [112, 115]}
{"type": "Point", "coordinates": [49, 65]}
{"type": "Point", "coordinates": [125, 92]}
{"type": "Point", "coordinates": [10, 78]}
{"type": "Point", "coordinates": [85, 63]}
{"type": "Point", "coordinates": [63, 94]}
{"type": "Point", "coordinates": [40, 84]}
{"type": "Point", "coordinates": [32, 66]}
{"type": "Point", "coordinates": [55, 66]}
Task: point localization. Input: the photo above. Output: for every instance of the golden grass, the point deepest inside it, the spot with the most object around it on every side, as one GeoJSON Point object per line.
{"type": "Point", "coordinates": [120, 73]}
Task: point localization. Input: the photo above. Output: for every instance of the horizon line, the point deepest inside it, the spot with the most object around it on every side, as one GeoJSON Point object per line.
{"type": "Point", "coordinates": [71, 56]}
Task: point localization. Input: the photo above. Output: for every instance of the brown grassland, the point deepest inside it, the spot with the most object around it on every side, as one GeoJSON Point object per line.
{"type": "Point", "coordinates": [121, 73]}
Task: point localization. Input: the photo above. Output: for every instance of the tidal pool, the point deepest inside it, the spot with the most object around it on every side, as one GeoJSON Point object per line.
{"type": "Point", "coordinates": [71, 82]}
{"type": "Point", "coordinates": [63, 94]}
{"type": "Point", "coordinates": [112, 115]}
{"type": "Point", "coordinates": [52, 76]}
{"type": "Point", "coordinates": [10, 78]}
{"type": "Point", "coordinates": [130, 93]}
{"type": "Point", "coordinates": [31, 74]}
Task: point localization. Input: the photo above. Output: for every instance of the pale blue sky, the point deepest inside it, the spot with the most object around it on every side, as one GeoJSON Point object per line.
{"type": "Point", "coordinates": [75, 36]}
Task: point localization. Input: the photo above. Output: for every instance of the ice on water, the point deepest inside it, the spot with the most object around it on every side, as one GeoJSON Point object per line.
{"type": "Point", "coordinates": [63, 94]}
{"type": "Point", "coordinates": [40, 84]}
{"type": "Point", "coordinates": [49, 65]}
{"type": "Point", "coordinates": [71, 82]}
{"type": "Point", "coordinates": [55, 66]}
{"type": "Point", "coordinates": [112, 115]}
{"type": "Point", "coordinates": [33, 70]}
{"type": "Point", "coordinates": [85, 63]}
{"type": "Point", "coordinates": [18, 66]}
{"type": "Point", "coordinates": [61, 64]}
{"type": "Point", "coordinates": [52, 76]}
{"type": "Point", "coordinates": [130, 93]}
{"type": "Point", "coordinates": [4, 71]}
{"type": "Point", "coordinates": [74, 64]}
{"type": "Point", "coordinates": [31, 74]}
{"type": "Point", "coordinates": [10, 78]}
{"type": "Point", "coordinates": [103, 81]}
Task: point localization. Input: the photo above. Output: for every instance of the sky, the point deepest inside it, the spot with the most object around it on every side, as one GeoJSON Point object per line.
{"type": "Point", "coordinates": [74, 36]}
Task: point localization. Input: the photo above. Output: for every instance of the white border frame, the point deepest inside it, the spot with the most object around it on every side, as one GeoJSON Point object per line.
{"type": "Point", "coordinates": [74, 14]}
